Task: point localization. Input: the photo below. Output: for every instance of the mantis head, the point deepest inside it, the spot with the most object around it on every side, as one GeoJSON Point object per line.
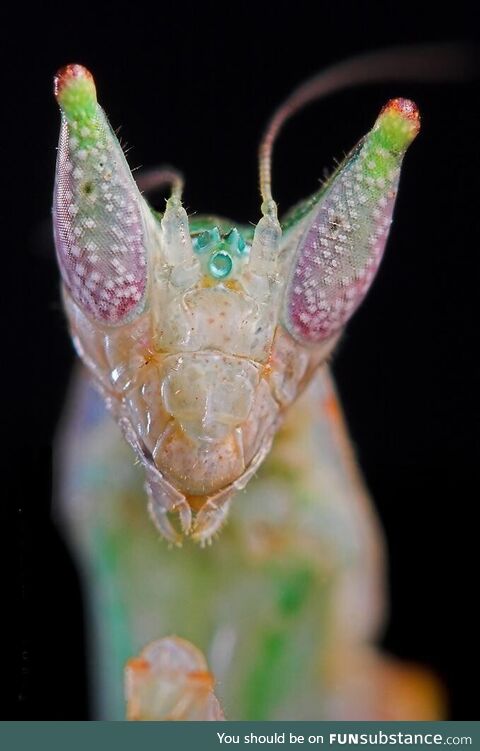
{"type": "Point", "coordinates": [201, 333]}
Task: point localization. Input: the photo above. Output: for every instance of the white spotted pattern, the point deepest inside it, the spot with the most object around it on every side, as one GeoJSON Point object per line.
{"type": "Point", "coordinates": [98, 224]}
{"type": "Point", "coordinates": [340, 249]}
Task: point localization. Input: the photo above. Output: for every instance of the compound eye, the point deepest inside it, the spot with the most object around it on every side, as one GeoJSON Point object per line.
{"type": "Point", "coordinates": [343, 238]}
{"type": "Point", "coordinates": [98, 212]}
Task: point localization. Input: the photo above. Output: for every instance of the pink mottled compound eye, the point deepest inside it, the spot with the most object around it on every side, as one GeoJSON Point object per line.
{"type": "Point", "coordinates": [344, 236]}
{"type": "Point", "coordinates": [97, 211]}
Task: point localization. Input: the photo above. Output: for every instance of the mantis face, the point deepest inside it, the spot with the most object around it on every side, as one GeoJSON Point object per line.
{"type": "Point", "coordinates": [201, 334]}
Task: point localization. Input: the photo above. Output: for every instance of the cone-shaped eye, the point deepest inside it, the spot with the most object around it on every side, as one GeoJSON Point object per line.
{"type": "Point", "coordinates": [97, 210]}
{"type": "Point", "coordinates": [344, 235]}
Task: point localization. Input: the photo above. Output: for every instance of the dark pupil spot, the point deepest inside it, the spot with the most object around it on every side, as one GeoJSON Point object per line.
{"type": "Point", "coordinates": [88, 188]}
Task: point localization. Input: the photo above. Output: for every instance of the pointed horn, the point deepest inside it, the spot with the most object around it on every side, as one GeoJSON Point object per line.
{"type": "Point", "coordinates": [435, 63]}
{"type": "Point", "coordinates": [100, 218]}
{"type": "Point", "coordinates": [343, 237]}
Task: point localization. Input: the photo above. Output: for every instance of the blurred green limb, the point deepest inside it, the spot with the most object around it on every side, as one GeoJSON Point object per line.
{"type": "Point", "coordinates": [286, 603]}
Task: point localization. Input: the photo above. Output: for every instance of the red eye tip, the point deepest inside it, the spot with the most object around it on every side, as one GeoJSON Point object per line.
{"type": "Point", "coordinates": [70, 74]}
{"type": "Point", "coordinates": [403, 107]}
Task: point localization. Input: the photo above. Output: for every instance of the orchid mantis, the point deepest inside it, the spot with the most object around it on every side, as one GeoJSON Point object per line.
{"type": "Point", "coordinates": [208, 342]}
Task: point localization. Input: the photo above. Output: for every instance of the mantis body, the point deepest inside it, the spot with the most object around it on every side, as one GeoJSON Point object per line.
{"type": "Point", "coordinates": [208, 342]}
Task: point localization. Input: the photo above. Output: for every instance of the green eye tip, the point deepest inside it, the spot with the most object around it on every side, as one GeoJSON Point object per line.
{"type": "Point", "coordinates": [398, 124]}
{"type": "Point", "coordinates": [75, 92]}
{"type": "Point", "coordinates": [220, 264]}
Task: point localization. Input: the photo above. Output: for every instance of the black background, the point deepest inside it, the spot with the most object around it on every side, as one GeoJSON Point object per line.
{"type": "Point", "coordinates": [193, 85]}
